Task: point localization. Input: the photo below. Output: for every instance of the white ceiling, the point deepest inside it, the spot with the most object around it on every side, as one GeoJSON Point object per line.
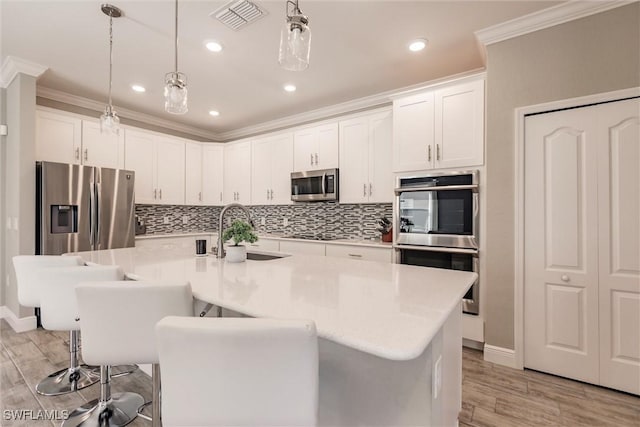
{"type": "Point", "coordinates": [358, 48]}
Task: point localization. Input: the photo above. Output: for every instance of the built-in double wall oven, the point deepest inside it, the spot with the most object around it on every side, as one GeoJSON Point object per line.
{"type": "Point", "coordinates": [436, 224]}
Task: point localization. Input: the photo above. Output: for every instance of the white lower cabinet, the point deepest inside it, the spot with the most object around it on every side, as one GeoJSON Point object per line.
{"type": "Point", "coordinates": [271, 245]}
{"type": "Point", "coordinates": [302, 248]}
{"type": "Point", "coordinates": [360, 252]}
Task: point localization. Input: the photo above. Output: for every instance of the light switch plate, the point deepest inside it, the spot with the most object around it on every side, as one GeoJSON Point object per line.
{"type": "Point", "coordinates": [263, 221]}
{"type": "Point", "coordinates": [185, 219]}
{"type": "Point", "coordinates": [285, 222]}
{"type": "Point", "coordinates": [4, 130]}
{"type": "Point", "coordinates": [165, 220]}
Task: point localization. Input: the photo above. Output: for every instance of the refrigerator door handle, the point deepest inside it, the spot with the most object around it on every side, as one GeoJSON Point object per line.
{"type": "Point", "coordinates": [92, 214]}
{"type": "Point", "coordinates": [98, 199]}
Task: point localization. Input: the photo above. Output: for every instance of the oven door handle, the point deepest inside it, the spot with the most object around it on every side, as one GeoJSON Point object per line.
{"type": "Point", "coordinates": [437, 249]}
{"type": "Point", "coordinates": [431, 188]}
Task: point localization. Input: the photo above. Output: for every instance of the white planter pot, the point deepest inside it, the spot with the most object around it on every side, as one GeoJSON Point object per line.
{"type": "Point", "coordinates": [236, 253]}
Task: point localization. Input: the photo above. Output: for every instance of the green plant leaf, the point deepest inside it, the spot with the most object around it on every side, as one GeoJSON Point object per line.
{"type": "Point", "coordinates": [239, 232]}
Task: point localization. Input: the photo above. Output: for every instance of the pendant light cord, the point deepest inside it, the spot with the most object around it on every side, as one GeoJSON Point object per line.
{"type": "Point", "coordinates": [176, 37]}
{"type": "Point", "coordinates": [110, 57]}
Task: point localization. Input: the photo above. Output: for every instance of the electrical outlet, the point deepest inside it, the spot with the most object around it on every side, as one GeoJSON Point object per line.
{"type": "Point", "coordinates": [185, 219]}
{"type": "Point", "coordinates": [263, 221]}
{"type": "Point", "coordinates": [14, 220]}
{"type": "Point", "coordinates": [165, 220]}
{"type": "Point", "coordinates": [437, 377]}
{"type": "Point", "coordinates": [285, 222]}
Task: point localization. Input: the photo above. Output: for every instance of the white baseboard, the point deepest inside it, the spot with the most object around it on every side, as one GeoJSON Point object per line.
{"type": "Point", "coordinates": [18, 324]}
{"type": "Point", "coordinates": [500, 356]}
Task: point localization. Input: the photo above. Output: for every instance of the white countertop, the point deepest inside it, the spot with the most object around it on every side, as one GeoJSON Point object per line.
{"type": "Point", "coordinates": [389, 310]}
{"type": "Point", "coordinates": [358, 242]}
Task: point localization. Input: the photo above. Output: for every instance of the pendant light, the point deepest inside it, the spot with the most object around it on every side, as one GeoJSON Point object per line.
{"type": "Point", "coordinates": [175, 89]}
{"type": "Point", "coordinates": [109, 121]}
{"type": "Point", "coordinates": [295, 39]}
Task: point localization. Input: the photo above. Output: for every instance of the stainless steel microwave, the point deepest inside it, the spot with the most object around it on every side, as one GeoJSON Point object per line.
{"type": "Point", "coordinates": [315, 186]}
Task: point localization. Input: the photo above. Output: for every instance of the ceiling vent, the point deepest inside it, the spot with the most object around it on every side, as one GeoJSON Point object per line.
{"type": "Point", "coordinates": [238, 13]}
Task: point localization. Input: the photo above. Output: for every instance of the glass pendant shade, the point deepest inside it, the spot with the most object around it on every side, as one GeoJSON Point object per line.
{"type": "Point", "coordinates": [295, 44]}
{"type": "Point", "coordinates": [175, 93]}
{"type": "Point", "coordinates": [109, 122]}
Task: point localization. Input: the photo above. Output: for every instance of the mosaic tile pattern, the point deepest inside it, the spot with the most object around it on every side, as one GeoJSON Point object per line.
{"type": "Point", "coordinates": [320, 219]}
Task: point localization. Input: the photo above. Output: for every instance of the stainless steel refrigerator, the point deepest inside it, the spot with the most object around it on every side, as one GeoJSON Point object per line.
{"type": "Point", "coordinates": [82, 208]}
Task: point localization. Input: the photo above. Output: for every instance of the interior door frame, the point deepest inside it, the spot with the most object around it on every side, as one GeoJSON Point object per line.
{"type": "Point", "coordinates": [519, 223]}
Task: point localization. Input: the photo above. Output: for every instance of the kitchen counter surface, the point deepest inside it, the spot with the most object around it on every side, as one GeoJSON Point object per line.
{"type": "Point", "coordinates": [388, 310]}
{"type": "Point", "coordinates": [357, 242]}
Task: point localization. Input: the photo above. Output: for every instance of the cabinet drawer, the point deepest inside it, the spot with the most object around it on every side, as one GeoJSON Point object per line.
{"type": "Point", "coordinates": [360, 252]}
{"type": "Point", "coordinates": [302, 248]}
{"type": "Point", "coordinates": [265, 245]}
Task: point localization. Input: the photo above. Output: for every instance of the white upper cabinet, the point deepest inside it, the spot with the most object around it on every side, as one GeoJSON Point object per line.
{"type": "Point", "coordinates": [212, 173]}
{"type": "Point", "coordinates": [58, 137]}
{"type": "Point", "coordinates": [237, 172]}
{"type": "Point", "coordinates": [459, 125]}
{"type": "Point", "coordinates": [316, 148]}
{"type": "Point", "coordinates": [413, 136]}
{"type": "Point", "coordinates": [439, 129]}
{"type": "Point", "coordinates": [66, 138]}
{"type": "Point", "coordinates": [365, 152]}
{"type": "Point", "coordinates": [193, 174]}
{"type": "Point", "coordinates": [203, 174]}
{"type": "Point", "coordinates": [100, 149]}
{"type": "Point", "coordinates": [271, 166]}
{"type": "Point", "coordinates": [158, 162]}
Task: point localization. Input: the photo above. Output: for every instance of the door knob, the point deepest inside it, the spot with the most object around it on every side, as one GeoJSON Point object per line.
{"type": "Point", "coordinates": [564, 278]}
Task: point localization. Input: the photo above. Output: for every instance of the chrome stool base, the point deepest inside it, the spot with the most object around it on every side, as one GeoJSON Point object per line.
{"type": "Point", "coordinates": [68, 380]}
{"type": "Point", "coordinates": [118, 411]}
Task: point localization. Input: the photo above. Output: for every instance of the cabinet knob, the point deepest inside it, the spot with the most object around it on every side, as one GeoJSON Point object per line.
{"type": "Point", "coordinates": [565, 278]}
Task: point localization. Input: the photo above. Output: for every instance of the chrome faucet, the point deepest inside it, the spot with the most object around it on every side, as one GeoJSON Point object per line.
{"type": "Point", "coordinates": [219, 250]}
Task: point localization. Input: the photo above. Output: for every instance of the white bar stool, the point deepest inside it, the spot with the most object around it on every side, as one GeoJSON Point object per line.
{"type": "Point", "coordinates": [238, 372]}
{"type": "Point", "coordinates": [140, 305]}
{"type": "Point", "coordinates": [30, 285]}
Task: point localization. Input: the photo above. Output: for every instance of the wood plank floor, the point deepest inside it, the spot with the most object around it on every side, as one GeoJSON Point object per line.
{"type": "Point", "coordinates": [492, 395]}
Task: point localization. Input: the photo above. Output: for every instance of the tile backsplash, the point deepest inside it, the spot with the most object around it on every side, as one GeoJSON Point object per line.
{"type": "Point", "coordinates": [319, 219]}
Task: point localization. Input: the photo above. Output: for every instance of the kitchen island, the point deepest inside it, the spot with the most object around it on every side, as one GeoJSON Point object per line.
{"type": "Point", "coordinates": [389, 335]}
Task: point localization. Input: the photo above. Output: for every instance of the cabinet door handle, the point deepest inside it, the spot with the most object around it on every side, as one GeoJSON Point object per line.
{"type": "Point", "coordinates": [355, 255]}
{"type": "Point", "coordinates": [311, 159]}
{"type": "Point", "coordinates": [438, 152]}
{"type": "Point", "coordinates": [429, 153]}
{"type": "Point", "coordinates": [316, 159]}
{"type": "Point", "coordinates": [86, 154]}
{"type": "Point", "coordinates": [200, 195]}
{"type": "Point", "coordinates": [221, 196]}
{"type": "Point", "coordinates": [161, 194]}
{"type": "Point", "coordinates": [155, 193]}
{"type": "Point", "coordinates": [271, 194]}
{"type": "Point", "coordinates": [267, 194]}
{"type": "Point", "coordinates": [370, 189]}
{"type": "Point", "coordinates": [77, 154]}
{"type": "Point", "coordinates": [364, 189]}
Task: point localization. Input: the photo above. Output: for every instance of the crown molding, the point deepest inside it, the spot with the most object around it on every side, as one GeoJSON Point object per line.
{"type": "Point", "coordinates": [94, 105]}
{"type": "Point", "coordinates": [555, 15]}
{"type": "Point", "coordinates": [13, 65]}
{"type": "Point", "coordinates": [353, 106]}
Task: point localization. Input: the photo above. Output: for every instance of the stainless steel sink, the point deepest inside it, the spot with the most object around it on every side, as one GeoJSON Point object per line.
{"type": "Point", "coordinates": [263, 257]}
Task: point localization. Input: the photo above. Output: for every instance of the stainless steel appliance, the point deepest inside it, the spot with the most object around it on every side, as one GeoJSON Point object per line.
{"type": "Point", "coordinates": [436, 224]}
{"type": "Point", "coordinates": [315, 186]}
{"type": "Point", "coordinates": [81, 208]}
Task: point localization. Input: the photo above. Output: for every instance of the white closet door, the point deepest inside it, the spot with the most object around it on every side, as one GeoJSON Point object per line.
{"type": "Point", "coordinates": [619, 256]}
{"type": "Point", "coordinates": [561, 232]}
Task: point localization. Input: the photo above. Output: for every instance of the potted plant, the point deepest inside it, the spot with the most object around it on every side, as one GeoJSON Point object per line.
{"type": "Point", "coordinates": [239, 232]}
{"type": "Point", "coordinates": [385, 228]}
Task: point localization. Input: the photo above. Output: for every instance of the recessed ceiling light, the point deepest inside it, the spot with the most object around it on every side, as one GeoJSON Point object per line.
{"type": "Point", "coordinates": [290, 88]}
{"type": "Point", "coordinates": [138, 88]}
{"type": "Point", "coordinates": [213, 46]}
{"type": "Point", "coordinates": [417, 45]}
{"type": "Point", "coordinates": [214, 113]}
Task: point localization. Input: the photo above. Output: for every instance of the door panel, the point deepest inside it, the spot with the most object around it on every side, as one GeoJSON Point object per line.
{"type": "Point", "coordinates": [561, 283]}
{"type": "Point", "coordinates": [212, 172]}
{"type": "Point", "coordinates": [193, 174]}
{"type": "Point", "coordinates": [261, 171]}
{"type": "Point", "coordinates": [58, 137]}
{"type": "Point", "coordinates": [354, 160]}
{"type": "Point", "coordinates": [100, 149]}
{"type": "Point", "coordinates": [140, 158]}
{"type": "Point", "coordinates": [413, 133]}
{"type": "Point", "coordinates": [115, 208]}
{"type": "Point", "coordinates": [281, 168]}
{"type": "Point", "coordinates": [380, 155]}
{"type": "Point", "coordinates": [619, 244]}
{"type": "Point", "coordinates": [170, 171]}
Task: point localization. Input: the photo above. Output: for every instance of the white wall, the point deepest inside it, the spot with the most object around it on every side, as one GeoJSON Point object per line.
{"type": "Point", "coordinates": [19, 167]}
{"type": "Point", "coordinates": [596, 54]}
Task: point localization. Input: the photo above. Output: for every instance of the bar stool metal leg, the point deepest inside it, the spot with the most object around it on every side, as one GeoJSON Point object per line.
{"type": "Point", "coordinates": [109, 410]}
{"type": "Point", "coordinates": [75, 377]}
{"type": "Point", "coordinates": [155, 399]}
